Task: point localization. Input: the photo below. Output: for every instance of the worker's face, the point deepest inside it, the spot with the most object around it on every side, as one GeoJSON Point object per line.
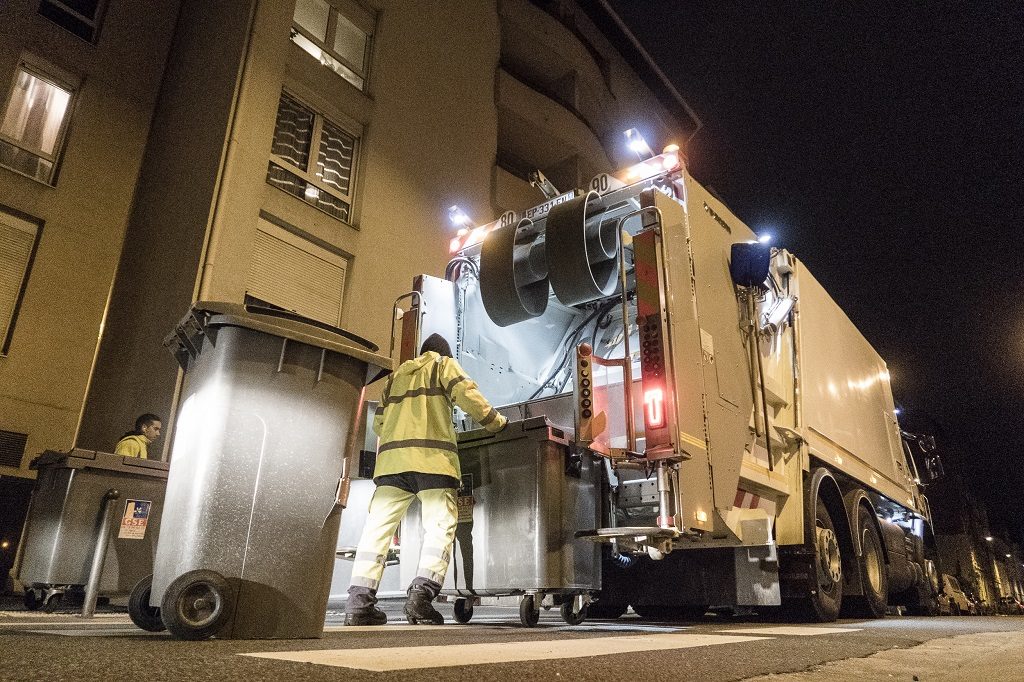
{"type": "Point", "coordinates": [151, 431]}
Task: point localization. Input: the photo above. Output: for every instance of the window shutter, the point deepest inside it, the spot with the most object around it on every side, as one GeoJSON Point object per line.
{"type": "Point", "coordinates": [17, 238]}
{"type": "Point", "coordinates": [297, 275]}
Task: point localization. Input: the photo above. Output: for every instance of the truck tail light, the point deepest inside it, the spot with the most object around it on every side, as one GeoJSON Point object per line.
{"type": "Point", "coordinates": [654, 407]}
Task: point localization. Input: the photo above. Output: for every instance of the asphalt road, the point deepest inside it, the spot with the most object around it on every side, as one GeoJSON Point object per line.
{"type": "Point", "coordinates": [35, 646]}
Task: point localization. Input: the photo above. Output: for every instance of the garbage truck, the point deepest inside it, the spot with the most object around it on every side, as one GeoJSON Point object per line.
{"type": "Point", "coordinates": [694, 422]}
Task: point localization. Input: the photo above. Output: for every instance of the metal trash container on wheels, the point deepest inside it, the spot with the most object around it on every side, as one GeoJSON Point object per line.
{"type": "Point", "coordinates": [67, 511]}
{"type": "Point", "coordinates": [524, 495]}
{"type": "Point", "coordinates": [268, 411]}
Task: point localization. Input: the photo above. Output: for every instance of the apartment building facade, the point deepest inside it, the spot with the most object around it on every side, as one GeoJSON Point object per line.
{"type": "Point", "coordinates": [301, 154]}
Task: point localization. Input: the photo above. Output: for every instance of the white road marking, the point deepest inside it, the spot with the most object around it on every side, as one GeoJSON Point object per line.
{"type": "Point", "coordinates": [59, 624]}
{"type": "Point", "coordinates": [798, 630]}
{"type": "Point", "coordinates": [417, 657]}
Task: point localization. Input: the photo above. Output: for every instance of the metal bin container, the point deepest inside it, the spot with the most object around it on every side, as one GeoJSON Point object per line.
{"type": "Point", "coordinates": [524, 495]}
{"type": "Point", "coordinates": [64, 520]}
{"type": "Point", "coordinates": [268, 410]}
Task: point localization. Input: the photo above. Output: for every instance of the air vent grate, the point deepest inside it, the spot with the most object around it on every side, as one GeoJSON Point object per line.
{"type": "Point", "coordinates": [12, 448]}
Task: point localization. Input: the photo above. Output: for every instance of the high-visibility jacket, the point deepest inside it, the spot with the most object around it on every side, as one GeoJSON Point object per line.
{"type": "Point", "coordinates": [414, 418]}
{"type": "Point", "coordinates": [133, 446]}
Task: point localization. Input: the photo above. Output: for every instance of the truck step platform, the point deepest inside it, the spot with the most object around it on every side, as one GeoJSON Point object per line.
{"type": "Point", "coordinates": [635, 532]}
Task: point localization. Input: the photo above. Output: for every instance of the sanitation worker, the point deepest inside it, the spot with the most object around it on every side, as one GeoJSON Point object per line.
{"type": "Point", "coordinates": [136, 442]}
{"type": "Point", "coordinates": [417, 457]}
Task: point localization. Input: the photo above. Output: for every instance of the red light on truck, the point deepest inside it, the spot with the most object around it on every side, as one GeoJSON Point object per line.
{"type": "Point", "coordinates": [654, 407]}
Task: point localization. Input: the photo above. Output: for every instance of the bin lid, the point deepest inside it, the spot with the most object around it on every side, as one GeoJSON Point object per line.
{"type": "Point", "coordinates": [296, 328]}
{"type": "Point", "coordinates": [80, 458]}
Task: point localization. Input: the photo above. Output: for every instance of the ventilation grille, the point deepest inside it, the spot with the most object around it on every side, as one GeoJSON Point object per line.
{"type": "Point", "coordinates": [12, 448]}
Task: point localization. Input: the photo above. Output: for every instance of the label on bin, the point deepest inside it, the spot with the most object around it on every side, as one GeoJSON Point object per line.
{"type": "Point", "coordinates": [465, 506]}
{"type": "Point", "coordinates": [134, 520]}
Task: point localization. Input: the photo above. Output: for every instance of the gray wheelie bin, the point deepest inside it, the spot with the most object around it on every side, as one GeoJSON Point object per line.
{"type": "Point", "coordinates": [67, 510]}
{"type": "Point", "coordinates": [267, 414]}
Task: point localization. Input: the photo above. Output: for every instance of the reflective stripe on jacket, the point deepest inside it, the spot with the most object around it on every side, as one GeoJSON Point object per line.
{"type": "Point", "coordinates": [414, 418]}
{"type": "Point", "coordinates": [133, 446]}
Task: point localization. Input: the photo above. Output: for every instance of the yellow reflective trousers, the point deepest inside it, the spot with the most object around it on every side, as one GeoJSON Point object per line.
{"type": "Point", "coordinates": [387, 507]}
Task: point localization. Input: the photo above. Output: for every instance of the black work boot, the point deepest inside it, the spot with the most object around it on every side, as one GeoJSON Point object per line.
{"type": "Point", "coordinates": [419, 610]}
{"type": "Point", "coordinates": [372, 616]}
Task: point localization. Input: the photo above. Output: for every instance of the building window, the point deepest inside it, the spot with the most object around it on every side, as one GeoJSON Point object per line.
{"type": "Point", "coordinates": [19, 238]}
{"type": "Point", "coordinates": [312, 158]}
{"type": "Point", "coordinates": [35, 121]}
{"type": "Point", "coordinates": [81, 17]}
{"type": "Point", "coordinates": [337, 34]}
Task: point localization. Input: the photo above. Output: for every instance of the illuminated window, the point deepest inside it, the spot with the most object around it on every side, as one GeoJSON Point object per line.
{"type": "Point", "coordinates": [81, 17]}
{"type": "Point", "coordinates": [35, 121]}
{"type": "Point", "coordinates": [337, 34]}
{"type": "Point", "coordinates": [312, 158]}
{"type": "Point", "coordinates": [19, 237]}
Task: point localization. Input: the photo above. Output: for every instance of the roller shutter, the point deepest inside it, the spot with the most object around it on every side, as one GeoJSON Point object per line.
{"type": "Point", "coordinates": [297, 275]}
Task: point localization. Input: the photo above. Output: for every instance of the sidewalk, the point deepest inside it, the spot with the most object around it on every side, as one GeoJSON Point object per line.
{"type": "Point", "coordinates": [982, 657]}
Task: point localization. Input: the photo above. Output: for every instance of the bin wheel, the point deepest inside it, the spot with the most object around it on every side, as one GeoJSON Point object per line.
{"type": "Point", "coordinates": [53, 602]}
{"type": "Point", "coordinates": [32, 600]}
{"type": "Point", "coordinates": [529, 614]}
{"type": "Point", "coordinates": [142, 614]}
{"type": "Point", "coordinates": [573, 617]}
{"type": "Point", "coordinates": [196, 605]}
{"type": "Point", "coordinates": [463, 611]}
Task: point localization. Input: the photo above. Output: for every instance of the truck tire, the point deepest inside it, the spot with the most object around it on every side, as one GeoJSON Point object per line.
{"type": "Point", "coordinates": [142, 614]}
{"type": "Point", "coordinates": [874, 577]}
{"type": "Point", "coordinates": [823, 589]}
{"type": "Point", "coordinates": [196, 605]}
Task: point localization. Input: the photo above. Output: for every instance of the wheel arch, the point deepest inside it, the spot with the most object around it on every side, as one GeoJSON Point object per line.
{"type": "Point", "coordinates": [854, 500]}
{"type": "Point", "coordinates": [821, 483]}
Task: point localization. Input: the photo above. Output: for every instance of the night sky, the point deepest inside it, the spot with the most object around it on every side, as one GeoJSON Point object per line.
{"type": "Point", "coordinates": [882, 144]}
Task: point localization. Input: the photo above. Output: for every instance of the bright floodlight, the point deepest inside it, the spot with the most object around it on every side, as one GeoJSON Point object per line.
{"type": "Point", "coordinates": [989, 538]}
{"type": "Point", "coordinates": [638, 144]}
{"type": "Point", "coordinates": [897, 411]}
{"type": "Point", "coordinates": [458, 217]}
{"type": "Point", "coordinates": [764, 238]}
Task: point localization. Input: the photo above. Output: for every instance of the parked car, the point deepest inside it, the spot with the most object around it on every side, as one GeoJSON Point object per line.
{"type": "Point", "coordinates": [1011, 606]}
{"type": "Point", "coordinates": [959, 603]}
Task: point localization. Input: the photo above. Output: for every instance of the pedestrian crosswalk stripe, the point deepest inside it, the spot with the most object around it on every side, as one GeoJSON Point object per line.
{"type": "Point", "coordinates": [798, 630]}
{"type": "Point", "coordinates": [417, 657]}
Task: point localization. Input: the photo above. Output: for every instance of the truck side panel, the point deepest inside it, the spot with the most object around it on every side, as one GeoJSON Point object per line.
{"type": "Point", "coordinates": [847, 406]}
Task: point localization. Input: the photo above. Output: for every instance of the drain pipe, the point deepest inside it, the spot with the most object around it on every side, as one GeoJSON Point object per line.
{"type": "Point", "coordinates": [99, 554]}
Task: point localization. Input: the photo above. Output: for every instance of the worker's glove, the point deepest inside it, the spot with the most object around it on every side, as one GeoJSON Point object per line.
{"type": "Point", "coordinates": [500, 423]}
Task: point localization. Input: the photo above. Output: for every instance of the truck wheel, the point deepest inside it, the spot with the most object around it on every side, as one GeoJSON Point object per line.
{"type": "Point", "coordinates": [196, 605]}
{"type": "Point", "coordinates": [874, 578]}
{"type": "Point", "coordinates": [142, 614]}
{"type": "Point", "coordinates": [822, 589]}
{"type": "Point", "coordinates": [463, 611]}
{"type": "Point", "coordinates": [573, 617]}
{"type": "Point", "coordinates": [529, 614]}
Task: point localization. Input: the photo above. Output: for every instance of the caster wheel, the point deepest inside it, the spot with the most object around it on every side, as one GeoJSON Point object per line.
{"type": "Point", "coordinates": [529, 614]}
{"type": "Point", "coordinates": [196, 605]}
{"type": "Point", "coordinates": [32, 600]}
{"type": "Point", "coordinates": [53, 602]}
{"type": "Point", "coordinates": [573, 617]}
{"type": "Point", "coordinates": [463, 611]}
{"type": "Point", "coordinates": [142, 614]}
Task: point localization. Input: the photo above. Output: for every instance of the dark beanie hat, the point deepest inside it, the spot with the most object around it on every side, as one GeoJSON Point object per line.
{"type": "Point", "coordinates": [436, 343]}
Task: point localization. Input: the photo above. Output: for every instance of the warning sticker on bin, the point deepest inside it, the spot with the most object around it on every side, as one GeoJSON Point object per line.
{"type": "Point", "coordinates": [135, 519]}
{"type": "Point", "coordinates": [465, 504]}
